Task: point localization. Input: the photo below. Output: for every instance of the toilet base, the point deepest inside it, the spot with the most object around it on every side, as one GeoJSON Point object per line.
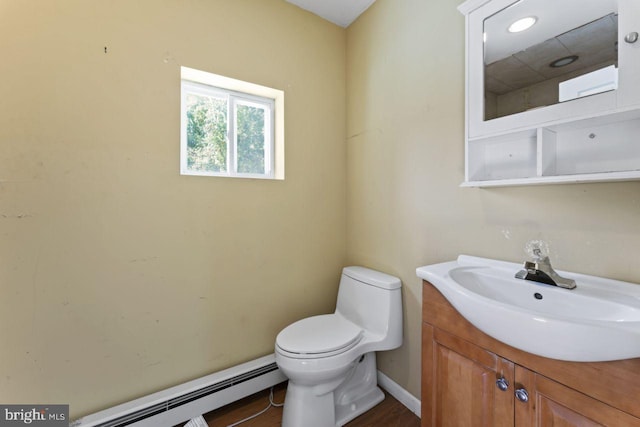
{"type": "Point", "coordinates": [346, 413]}
{"type": "Point", "coordinates": [359, 392]}
{"type": "Point", "coordinates": [333, 405]}
{"type": "Point", "coordinates": [303, 408]}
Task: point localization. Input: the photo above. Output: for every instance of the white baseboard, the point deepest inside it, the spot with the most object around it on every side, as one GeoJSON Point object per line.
{"type": "Point", "coordinates": [178, 404]}
{"type": "Point", "coordinates": [399, 393]}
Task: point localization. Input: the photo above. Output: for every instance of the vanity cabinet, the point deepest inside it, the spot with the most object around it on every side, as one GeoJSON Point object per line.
{"type": "Point", "coordinates": [469, 379]}
{"type": "Point", "coordinates": [459, 383]}
{"type": "Point", "coordinates": [530, 121]}
{"type": "Point", "coordinates": [549, 403]}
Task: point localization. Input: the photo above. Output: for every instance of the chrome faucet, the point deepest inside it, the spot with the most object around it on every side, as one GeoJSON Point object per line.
{"type": "Point", "coordinates": [541, 271]}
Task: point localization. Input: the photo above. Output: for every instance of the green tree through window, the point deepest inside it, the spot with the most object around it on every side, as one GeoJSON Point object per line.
{"type": "Point", "coordinates": [227, 132]}
{"type": "Point", "coordinates": [206, 133]}
{"type": "Point", "coordinates": [250, 134]}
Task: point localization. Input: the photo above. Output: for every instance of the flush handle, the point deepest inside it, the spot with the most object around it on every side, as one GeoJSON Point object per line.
{"type": "Point", "coordinates": [522, 395]}
{"type": "Point", "coordinates": [631, 37]}
{"type": "Point", "coordinates": [502, 384]}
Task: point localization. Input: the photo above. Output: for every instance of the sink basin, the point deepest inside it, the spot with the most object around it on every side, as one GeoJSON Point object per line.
{"type": "Point", "coordinates": [597, 321]}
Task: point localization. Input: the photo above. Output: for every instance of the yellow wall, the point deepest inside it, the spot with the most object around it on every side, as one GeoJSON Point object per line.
{"type": "Point", "coordinates": [405, 160]}
{"type": "Point", "coordinates": [118, 276]}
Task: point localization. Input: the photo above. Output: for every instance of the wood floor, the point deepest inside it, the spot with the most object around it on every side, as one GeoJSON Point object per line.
{"type": "Point", "coordinates": [389, 413]}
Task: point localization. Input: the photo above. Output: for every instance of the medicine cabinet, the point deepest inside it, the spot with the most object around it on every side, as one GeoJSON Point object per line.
{"type": "Point", "coordinates": [557, 102]}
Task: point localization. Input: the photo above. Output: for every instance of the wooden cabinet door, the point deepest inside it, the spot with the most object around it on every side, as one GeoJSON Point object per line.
{"type": "Point", "coordinates": [551, 404]}
{"type": "Point", "coordinates": [459, 383]}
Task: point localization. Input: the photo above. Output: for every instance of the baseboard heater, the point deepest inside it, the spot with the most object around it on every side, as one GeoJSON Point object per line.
{"type": "Point", "coordinates": [179, 404]}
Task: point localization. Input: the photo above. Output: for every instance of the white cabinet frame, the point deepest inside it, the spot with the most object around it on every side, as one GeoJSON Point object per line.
{"type": "Point", "coordinates": [595, 138]}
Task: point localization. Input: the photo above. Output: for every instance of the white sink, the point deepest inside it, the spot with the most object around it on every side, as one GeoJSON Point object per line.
{"type": "Point", "coordinates": [597, 321]}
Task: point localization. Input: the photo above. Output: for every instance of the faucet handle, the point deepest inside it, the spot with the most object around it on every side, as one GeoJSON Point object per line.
{"type": "Point", "coordinates": [537, 249]}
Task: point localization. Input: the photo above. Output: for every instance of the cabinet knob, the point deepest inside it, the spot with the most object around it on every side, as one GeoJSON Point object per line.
{"type": "Point", "coordinates": [502, 384]}
{"type": "Point", "coordinates": [631, 37]}
{"type": "Point", "coordinates": [522, 395]}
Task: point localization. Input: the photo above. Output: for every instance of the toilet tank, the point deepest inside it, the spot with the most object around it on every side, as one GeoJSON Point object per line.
{"type": "Point", "coordinates": [373, 301]}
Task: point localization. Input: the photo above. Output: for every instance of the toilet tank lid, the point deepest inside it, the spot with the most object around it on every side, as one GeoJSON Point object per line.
{"type": "Point", "coordinates": [372, 277]}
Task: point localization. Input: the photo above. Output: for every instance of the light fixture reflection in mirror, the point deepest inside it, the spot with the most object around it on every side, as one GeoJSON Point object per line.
{"type": "Point", "coordinates": [563, 62]}
{"type": "Point", "coordinates": [522, 24]}
{"type": "Point", "coordinates": [518, 75]}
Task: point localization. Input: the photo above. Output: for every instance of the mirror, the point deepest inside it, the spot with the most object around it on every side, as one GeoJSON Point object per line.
{"type": "Point", "coordinates": [568, 52]}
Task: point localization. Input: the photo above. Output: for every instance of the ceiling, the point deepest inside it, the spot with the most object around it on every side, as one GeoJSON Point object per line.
{"type": "Point", "coordinates": [340, 12]}
{"type": "Point", "coordinates": [554, 17]}
{"type": "Point", "coordinates": [594, 44]}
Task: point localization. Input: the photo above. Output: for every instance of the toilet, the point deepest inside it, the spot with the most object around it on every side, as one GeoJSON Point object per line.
{"type": "Point", "coordinates": [330, 359]}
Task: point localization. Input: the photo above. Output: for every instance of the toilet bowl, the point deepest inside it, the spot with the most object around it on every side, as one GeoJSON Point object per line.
{"type": "Point", "coordinates": [330, 359]}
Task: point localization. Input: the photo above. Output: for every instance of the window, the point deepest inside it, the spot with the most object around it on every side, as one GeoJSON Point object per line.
{"type": "Point", "coordinates": [230, 128]}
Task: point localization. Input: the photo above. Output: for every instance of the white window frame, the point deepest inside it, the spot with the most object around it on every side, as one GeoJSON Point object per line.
{"type": "Point", "coordinates": [237, 93]}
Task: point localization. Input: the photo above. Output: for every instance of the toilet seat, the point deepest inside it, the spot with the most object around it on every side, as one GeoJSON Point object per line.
{"type": "Point", "coordinates": [318, 336]}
